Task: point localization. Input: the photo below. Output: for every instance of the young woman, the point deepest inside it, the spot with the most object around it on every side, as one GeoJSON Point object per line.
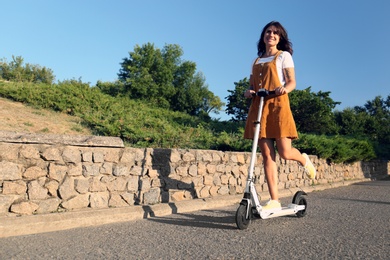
{"type": "Point", "coordinates": [273, 69]}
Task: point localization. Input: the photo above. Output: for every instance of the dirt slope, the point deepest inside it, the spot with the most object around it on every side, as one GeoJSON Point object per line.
{"type": "Point", "coordinates": [18, 117]}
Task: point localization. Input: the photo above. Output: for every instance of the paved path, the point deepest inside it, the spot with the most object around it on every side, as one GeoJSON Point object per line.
{"type": "Point", "coordinates": [351, 222]}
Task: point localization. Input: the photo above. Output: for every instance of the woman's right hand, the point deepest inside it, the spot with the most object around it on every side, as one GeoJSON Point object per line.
{"type": "Point", "coordinates": [249, 93]}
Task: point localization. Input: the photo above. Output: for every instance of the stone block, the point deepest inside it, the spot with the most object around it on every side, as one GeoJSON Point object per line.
{"type": "Point", "coordinates": [240, 159]}
{"type": "Point", "coordinates": [152, 173]}
{"type": "Point", "coordinates": [208, 180]}
{"type": "Point", "coordinates": [121, 170]}
{"type": "Point", "coordinates": [14, 187]}
{"type": "Point", "coordinates": [98, 157]}
{"type": "Point", "coordinates": [157, 183]}
{"type": "Point", "coordinates": [188, 157]}
{"type": "Point", "coordinates": [151, 197]}
{"type": "Point", "coordinates": [90, 169]}
{"type": "Point", "coordinates": [216, 180]}
{"type": "Point", "coordinates": [10, 171]}
{"type": "Point", "coordinates": [82, 185]}
{"type": "Point", "coordinates": [116, 201]}
{"type": "Point", "coordinates": [206, 157]}
{"type": "Point", "coordinates": [133, 183]}
{"type": "Point", "coordinates": [137, 171]}
{"type": "Point", "coordinates": [211, 168]}
{"type": "Point", "coordinates": [96, 185]}
{"type": "Point", "coordinates": [36, 192]}
{"type": "Point", "coordinates": [128, 157]}
{"type": "Point", "coordinates": [72, 155]}
{"type": "Point", "coordinates": [9, 152]}
{"type": "Point", "coordinates": [6, 202]}
{"type": "Point", "coordinates": [52, 187]}
{"type": "Point", "coordinates": [145, 184]}
{"type": "Point", "coordinates": [24, 208]}
{"type": "Point", "coordinates": [99, 200]}
{"type": "Point", "coordinates": [235, 170]}
{"type": "Point", "coordinates": [128, 197]}
{"type": "Point", "coordinates": [177, 195]}
{"type": "Point", "coordinates": [29, 152]}
{"type": "Point", "coordinates": [66, 189]}
{"type": "Point", "coordinates": [77, 202]}
{"type": "Point", "coordinates": [232, 181]}
{"type": "Point", "coordinates": [182, 170]}
{"type": "Point", "coordinates": [86, 156]}
{"type": "Point", "coordinates": [117, 184]}
{"type": "Point", "coordinates": [48, 206]}
{"type": "Point", "coordinates": [52, 154]}
{"type": "Point", "coordinates": [106, 168]}
{"type": "Point", "coordinates": [175, 156]}
{"type": "Point", "coordinates": [205, 192]}
{"type": "Point", "coordinates": [112, 155]}
{"type": "Point", "coordinates": [216, 157]}
{"type": "Point", "coordinates": [214, 191]}
{"type": "Point", "coordinates": [57, 172]}
{"type": "Point", "coordinates": [282, 177]}
{"type": "Point", "coordinates": [193, 170]}
{"type": "Point", "coordinates": [34, 172]}
{"type": "Point", "coordinates": [221, 168]}
{"type": "Point", "coordinates": [224, 179]}
{"type": "Point", "coordinates": [75, 169]}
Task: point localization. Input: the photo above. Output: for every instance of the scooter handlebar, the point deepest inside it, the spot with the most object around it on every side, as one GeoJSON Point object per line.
{"type": "Point", "coordinates": [264, 92]}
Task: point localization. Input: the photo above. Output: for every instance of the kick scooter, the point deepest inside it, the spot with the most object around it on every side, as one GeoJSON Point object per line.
{"type": "Point", "coordinates": [250, 204]}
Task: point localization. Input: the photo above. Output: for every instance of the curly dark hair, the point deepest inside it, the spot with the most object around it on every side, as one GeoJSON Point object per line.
{"type": "Point", "coordinates": [284, 43]}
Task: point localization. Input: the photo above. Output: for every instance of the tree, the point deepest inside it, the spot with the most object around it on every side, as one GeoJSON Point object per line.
{"type": "Point", "coordinates": [313, 112]}
{"type": "Point", "coordinates": [237, 104]}
{"type": "Point", "coordinates": [15, 71]}
{"type": "Point", "coordinates": [162, 78]}
{"type": "Point", "coordinates": [351, 122]}
{"type": "Point", "coordinates": [370, 121]}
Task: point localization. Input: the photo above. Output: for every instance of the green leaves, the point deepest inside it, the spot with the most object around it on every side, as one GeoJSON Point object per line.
{"type": "Point", "coordinates": [17, 72]}
{"type": "Point", "coordinates": [161, 77]}
{"type": "Point", "coordinates": [237, 104]}
{"type": "Point", "coordinates": [313, 112]}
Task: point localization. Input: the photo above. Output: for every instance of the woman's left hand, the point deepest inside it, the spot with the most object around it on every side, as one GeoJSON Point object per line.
{"type": "Point", "coordinates": [280, 91]}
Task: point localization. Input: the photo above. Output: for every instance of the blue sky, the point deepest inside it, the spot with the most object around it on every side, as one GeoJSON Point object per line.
{"type": "Point", "coordinates": [339, 46]}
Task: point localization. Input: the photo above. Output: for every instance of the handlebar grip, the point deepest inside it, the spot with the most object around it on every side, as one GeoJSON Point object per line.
{"type": "Point", "coordinates": [264, 92]}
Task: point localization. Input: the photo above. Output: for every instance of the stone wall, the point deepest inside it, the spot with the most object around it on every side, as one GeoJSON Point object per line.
{"type": "Point", "coordinates": [47, 173]}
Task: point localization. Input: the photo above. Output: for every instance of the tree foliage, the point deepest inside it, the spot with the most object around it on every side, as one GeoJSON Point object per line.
{"type": "Point", "coordinates": [17, 72]}
{"type": "Point", "coordinates": [371, 121]}
{"type": "Point", "coordinates": [161, 77]}
{"type": "Point", "coordinates": [237, 105]}
{"type": "Point", "coordinates": [313, 112]}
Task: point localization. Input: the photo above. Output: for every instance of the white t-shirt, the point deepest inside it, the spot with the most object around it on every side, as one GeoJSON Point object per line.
{"type": "Point", "coordinates": [284, 60]}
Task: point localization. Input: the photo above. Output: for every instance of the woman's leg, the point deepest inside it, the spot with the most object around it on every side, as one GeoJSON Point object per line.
{"type": "Point", "coordinates": [287, 152]}
{"type": "Point", "coordinates": [271, 172]}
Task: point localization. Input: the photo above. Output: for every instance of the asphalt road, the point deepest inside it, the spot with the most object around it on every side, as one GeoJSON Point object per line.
{"type": "Point", "coordinates": [351, 222]}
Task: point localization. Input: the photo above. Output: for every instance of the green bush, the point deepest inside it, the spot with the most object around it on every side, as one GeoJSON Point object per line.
{"type": "Point", "coordinates": [141, 124]}
{"type": "Point", "coordinates": [336, 148]}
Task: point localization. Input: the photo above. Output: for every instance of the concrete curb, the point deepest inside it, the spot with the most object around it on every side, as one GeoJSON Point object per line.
{"type": "Point", "coordinates": [34, 224]}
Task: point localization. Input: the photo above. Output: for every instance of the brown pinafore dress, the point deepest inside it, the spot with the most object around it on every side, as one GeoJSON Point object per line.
{"type": "Point", "coordinates": [277, 120]}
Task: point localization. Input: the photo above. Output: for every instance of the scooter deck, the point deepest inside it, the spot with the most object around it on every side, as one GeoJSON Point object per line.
{"type": "Point", "coordinates": [291, 209]}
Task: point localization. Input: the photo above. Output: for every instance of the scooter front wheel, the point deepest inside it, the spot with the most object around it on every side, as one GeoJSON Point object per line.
{"type": "Point", "coordinates": [242, 218]}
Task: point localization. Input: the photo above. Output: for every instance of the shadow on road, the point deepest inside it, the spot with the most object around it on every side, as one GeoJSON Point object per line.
{"type": "Point", "coordinates": [225, 220]}
{"type": "Point", "coordinates": [364, 201]}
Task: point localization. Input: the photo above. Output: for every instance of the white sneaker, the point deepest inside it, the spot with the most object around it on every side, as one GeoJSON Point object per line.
{"type": "Point", "coordinates": [273, 205]}
{"type": "Point", "coordinates": [309, 167]}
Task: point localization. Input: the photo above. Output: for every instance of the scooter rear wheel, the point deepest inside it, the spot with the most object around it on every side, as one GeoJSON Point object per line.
{"type": "Point", "coordinates": [242, 220]}
{"type": "Point", "coordinates": [300, 199]}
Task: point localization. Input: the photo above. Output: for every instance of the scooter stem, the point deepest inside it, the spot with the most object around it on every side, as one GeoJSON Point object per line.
{"type": "Point", "coordinates": [256, 139]}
